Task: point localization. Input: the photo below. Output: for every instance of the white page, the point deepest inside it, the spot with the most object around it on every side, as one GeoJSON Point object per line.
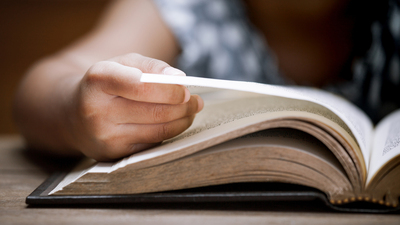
{"type": "Point", "coordinates": [206, 124]}
{"type": "Point", "coordinates": [386, 143]}
{"type": "Point", "coordinates": [358, 122]}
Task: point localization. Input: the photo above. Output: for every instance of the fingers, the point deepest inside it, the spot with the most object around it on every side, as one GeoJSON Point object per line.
{"type": "Point", "coordinates": [121, 115]}
{"type": "Point", "coordinates": [119, 80]}
{"type": "Point", "coordinates": [146, 64]}
{"type": "Point", "coordinates": [117, 153]}
{"type": "Point", "coordinates": [155, 133]}
{"type": "Point", "coordinates": [128, 111]}
{"type": "Point", "coordinates": [134, 138]}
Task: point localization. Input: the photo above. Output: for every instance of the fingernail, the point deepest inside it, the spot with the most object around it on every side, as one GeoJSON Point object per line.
{"type": "Point", "coordinates": [173, 71]}
{"type": "Point", "coordinates": [200, 103]}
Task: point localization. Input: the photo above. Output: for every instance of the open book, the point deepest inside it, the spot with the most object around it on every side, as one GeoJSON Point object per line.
{"type": "Point", "coordinates": [251, 132]}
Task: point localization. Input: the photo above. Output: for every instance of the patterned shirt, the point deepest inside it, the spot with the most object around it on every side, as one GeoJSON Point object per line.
{"type": "Point", "coordinates": [218, 40]}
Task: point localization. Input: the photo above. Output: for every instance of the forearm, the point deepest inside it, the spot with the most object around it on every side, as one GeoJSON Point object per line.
{"type": "Point", "coordinates": [41, 106]}
{"type": "Point", "coordinates": [52, 102]}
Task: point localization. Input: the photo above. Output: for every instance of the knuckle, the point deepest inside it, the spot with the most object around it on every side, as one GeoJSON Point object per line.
{"type": "Point", "coordinates": [154, 65]}
{"type": "Point", "coordinates": [96, 128]}
{"type": "Point", "coordinates": [95, 73]}
{"type": "Point", "coordinates": [151, 63]}
{"type": "Point", "coordinates": [140, 91]}
{"type": "Point", "coordinates": [98, 67]}
{"type": "Point", "coordinates": [91, 79]}
{"type": "Point", "coordinates": [160, 113]}
{"type": "Point", "coordinates": [87, 104]}
{"type": "Point", "coordinates": [144, 91]}
{"type": "Point", "coordinates": [176, 95]}
{"type": "Point", "coordinates": [110, 148]}
{"type": "Point", "coordinates": [86, 109]}
{"type": "Point", "coordinates": [163, 132]}
{"type": "Point", "coordinates": [179, 94]}
{"type": "Point", "coordinates": [94, 119]}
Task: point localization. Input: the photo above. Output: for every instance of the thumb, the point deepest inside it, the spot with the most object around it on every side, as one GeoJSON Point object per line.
{"type": "Point", "coordinates": [147, 64]}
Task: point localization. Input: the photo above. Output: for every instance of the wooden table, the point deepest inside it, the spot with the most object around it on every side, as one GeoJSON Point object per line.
{"type": "Point", "coordinates": [21, 171]}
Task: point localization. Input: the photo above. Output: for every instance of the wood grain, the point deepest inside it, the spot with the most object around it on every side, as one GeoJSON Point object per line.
{"type": "Point", "coordinates": [32, 29]}
{"type": "Point", "coordinates": [21, 171]}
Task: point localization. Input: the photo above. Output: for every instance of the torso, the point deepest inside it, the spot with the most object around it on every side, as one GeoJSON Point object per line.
{"type": "Point", "coordinates": [311, 39]}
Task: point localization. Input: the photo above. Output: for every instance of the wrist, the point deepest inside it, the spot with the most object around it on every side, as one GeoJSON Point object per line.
{"type": "Point", "coordinates": [70, 123]}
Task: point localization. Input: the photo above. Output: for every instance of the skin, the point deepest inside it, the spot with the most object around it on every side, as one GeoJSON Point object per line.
{"type": "Point", "coordinates": [87, 98]}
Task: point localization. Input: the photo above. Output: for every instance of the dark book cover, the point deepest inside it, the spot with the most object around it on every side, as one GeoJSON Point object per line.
{"type": "Point", "coordinates": [238, 192]}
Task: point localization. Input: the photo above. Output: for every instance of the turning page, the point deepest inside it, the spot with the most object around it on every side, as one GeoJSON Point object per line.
{"type": "Point", "coordinates": [243, 104]}
{"type": "Point", "coordinates": [357, 121]}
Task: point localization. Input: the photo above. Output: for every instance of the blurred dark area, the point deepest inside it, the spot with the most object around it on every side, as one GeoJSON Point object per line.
{"type": "Point", "coordinates": [32, 29]}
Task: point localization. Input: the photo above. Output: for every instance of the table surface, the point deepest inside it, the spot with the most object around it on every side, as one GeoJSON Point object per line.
{"type": "Point", "coordinates": [21, 171]}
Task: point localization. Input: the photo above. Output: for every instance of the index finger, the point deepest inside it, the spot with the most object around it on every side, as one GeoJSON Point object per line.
{"type": "Point", "coordinates": [124, 81]}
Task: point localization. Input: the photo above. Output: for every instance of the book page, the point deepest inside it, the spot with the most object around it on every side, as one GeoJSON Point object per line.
{"type": "Point", "coordinates": [230, 106]}
{"type": "Point", "coordinates": [228, 111]}
{"type": "Point", "coordinates": [221, 116]}
{"type": "Point", "coordinates": [82, 168]}
{"type": "Point", "coordinates": [283, 137]}
{"type": "Point", "coordinates": [225, 111]}
{"type": "Point", "coordinates": [357, 121]}
{"type": "Point", "coordinates": [386, 143]}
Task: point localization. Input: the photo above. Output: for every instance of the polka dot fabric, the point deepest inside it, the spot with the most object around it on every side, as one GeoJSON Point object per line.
{"type": "Point", "coordinates": [218, 41]}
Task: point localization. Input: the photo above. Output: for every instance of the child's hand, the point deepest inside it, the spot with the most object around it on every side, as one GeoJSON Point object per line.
{"type": "Point", "coordinates": [113, 114]}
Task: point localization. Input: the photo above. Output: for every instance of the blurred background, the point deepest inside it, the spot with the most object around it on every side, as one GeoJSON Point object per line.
{"type": "Point", "coordinates": [31, 29]}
